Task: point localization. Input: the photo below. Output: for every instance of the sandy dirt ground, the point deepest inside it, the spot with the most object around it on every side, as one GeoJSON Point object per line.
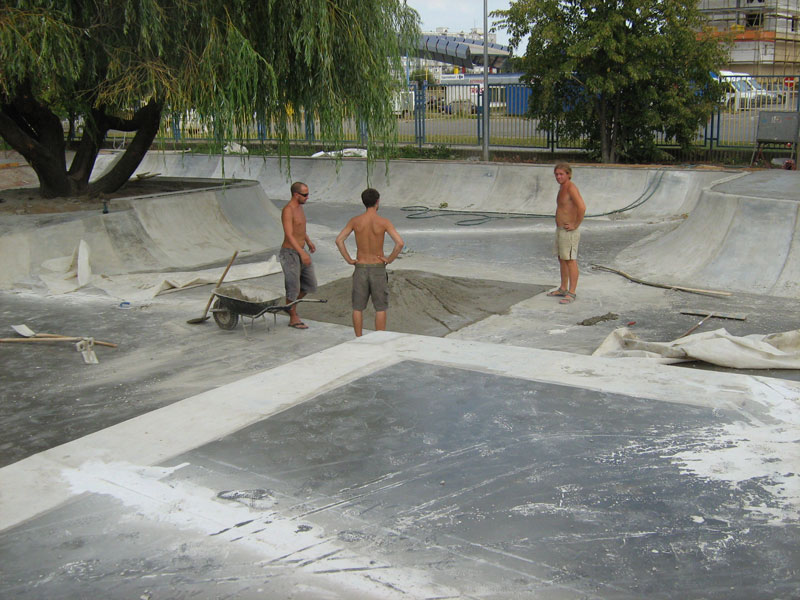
{"type": "Point", "coordinates": [425, 303]}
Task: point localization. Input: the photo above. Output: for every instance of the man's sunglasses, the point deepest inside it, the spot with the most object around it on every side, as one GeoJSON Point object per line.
{"type": "Point", "coordinates": [303, 195]}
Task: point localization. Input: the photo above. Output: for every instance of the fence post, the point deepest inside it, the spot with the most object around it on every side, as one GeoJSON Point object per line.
{"type": "Point", "coordinates": [310, 133]}
{"type": "Point", "coordinates": [552, 138]}
{"type": "Point", "coordinates": [362, 132]}
{"type": "Point", "coordinates": [481, 94]}
{"type": "Point", "coordinates": [419, 113]}
{"type": "Point", "coordinates": [176, 128]}
{"type": "Point", "coordinates": [709, 130]}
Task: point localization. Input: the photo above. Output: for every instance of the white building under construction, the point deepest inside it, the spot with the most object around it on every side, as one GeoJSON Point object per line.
{"type": "Point", "coordinates": [765, 34]}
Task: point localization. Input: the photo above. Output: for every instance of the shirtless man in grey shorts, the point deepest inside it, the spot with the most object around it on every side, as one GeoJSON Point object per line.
{"type": "Point", "coordinates": [369, 278]}
{"type": "Point", "coordinates": [570, 209]}
{"type": "Point", "coordinates": [298, 272]}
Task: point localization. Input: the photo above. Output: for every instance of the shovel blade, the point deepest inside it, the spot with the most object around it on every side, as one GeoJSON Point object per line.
{"type": "Point", "coordinates": [197, 320]}
{"type": "Point", "coordinates": [23, 330]}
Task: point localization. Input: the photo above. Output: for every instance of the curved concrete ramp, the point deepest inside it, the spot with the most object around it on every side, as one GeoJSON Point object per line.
{"type": "Point", "coordinates": [155, 233]}
{"type": "Point", "coordinates": [732, 240]}
{"type": "Point", "coordinates": [657, 193]}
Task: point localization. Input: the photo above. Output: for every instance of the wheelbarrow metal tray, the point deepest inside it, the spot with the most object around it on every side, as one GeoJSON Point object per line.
{"type": "Point", "coordinates": [245, 307]}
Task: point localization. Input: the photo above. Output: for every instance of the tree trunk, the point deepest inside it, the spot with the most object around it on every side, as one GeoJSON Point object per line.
{"type": "Point", "coordinates": [145, 122]}
{"type": "Point", "coordinates": [94, 132]}
{"type": "Point", "coordinates": [615, 130]}
{"type": "Point", "coordinates": [602, 123]}
{"type": "Point", "coordinates": [35, 132]}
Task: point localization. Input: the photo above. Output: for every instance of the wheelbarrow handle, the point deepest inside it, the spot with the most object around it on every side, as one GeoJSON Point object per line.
{"type": "Point", "coordinates": [291, 304]}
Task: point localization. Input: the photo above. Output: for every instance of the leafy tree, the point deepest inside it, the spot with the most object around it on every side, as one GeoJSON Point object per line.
{"type": "Point", "coordinates": [122, 64]}
{"type": "Point", "coordinates": [512, 64]}
{"type": "Point", "coordinates": [617, 71]}
{"type": "Point", "coordinates": [421, 76]}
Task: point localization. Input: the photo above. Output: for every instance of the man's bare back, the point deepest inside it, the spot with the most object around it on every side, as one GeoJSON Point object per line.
{"type": "Point", "coordinates": [370, 231]}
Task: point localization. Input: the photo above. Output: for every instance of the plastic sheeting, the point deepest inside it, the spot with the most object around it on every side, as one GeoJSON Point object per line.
{"type": "Point", "coordinates": [756, 351]}
{"type": "Point", "coordinates": [70, 273]}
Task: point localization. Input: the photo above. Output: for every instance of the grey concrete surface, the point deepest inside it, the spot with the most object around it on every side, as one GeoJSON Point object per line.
{"type": "Point", "coordinates": [501, 461]}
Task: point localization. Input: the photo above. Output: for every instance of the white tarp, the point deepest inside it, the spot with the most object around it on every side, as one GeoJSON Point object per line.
{"type": "Point", "coordinates": [756, 351]}
{"type": "Point", "coordinates": [69, 273]}
{"type": "Point", "coordinates": [143, 286]}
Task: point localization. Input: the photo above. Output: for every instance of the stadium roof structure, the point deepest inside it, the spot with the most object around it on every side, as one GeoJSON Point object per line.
{"type": "Point", "coordinates": [460, 51]}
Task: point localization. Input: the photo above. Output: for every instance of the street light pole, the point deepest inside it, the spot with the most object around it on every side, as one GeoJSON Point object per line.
{"type": "Point", "coordinates": [486, 94]}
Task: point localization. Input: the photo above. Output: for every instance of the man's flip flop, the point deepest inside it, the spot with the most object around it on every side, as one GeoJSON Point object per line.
{"type": "Point", "coordinates": [568, 298]}
{"type": "Point", "coordinates": [298, 325]}
{"type": "Point", "coordinates": [558, 292]}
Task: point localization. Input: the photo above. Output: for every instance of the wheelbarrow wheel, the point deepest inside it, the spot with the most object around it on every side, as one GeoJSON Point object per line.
{"type": "Point", "coordinates": [225, 317]}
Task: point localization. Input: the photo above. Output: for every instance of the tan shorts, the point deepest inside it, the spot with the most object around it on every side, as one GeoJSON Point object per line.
{"type": "Point", "coordinates": [567, 243]}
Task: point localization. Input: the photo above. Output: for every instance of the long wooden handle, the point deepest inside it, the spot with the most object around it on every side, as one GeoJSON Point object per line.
{"type": "Point", "coordinates": [221, 279]}
{"type": "Point", "coordinates": [697, 325]}
{"type": "Point", "coordinates": [60, 338]}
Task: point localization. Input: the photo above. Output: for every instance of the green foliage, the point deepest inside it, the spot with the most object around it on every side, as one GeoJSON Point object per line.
{"type": "Point", "coordinates": [437, 152]}
{"type": "Point", "coordinates": [421, 76]}
{"type": "Point", "coordinates": [617, 71]}
{"type": "Point", "coordinates": [219, 63]}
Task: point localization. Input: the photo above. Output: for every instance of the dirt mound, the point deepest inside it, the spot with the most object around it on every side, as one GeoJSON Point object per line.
{"type": "Point", "coordinates": [423, 303]}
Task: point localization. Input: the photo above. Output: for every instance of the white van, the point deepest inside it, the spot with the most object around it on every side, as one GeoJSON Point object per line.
{"type": "Point", "coordinates": [403, 103]}
{"type": "Point", "coordinates": [743, 92]}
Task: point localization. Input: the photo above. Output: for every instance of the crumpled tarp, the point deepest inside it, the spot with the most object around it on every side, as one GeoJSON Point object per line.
{"type": "Point", "coordinates": [69, 273]}
{"type": "Point", "coordinates": [756, 351]}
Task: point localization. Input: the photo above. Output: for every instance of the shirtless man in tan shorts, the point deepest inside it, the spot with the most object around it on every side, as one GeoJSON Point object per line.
{"type": "Point", "coordinates": [570, 209]}
{"type": "Point", "coordinates": [370, 278]}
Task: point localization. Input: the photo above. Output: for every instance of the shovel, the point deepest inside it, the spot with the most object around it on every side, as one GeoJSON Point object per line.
{"type": "Point", "coordinates": [206, 316]}
{"type": "Point", "coordinates": [27, 332]}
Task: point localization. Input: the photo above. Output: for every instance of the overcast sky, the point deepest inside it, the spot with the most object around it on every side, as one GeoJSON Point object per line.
{"type": "Point", "coordinates": [457, 15]}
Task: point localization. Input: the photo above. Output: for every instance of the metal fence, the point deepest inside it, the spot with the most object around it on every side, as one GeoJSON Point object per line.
{"type": "Point", "coordinates": [450, 115]}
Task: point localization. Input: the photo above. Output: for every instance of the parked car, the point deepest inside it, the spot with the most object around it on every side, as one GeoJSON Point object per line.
{"type": "Point", "coordinates": [743, 92]}
{"type": "Point", "coordinates": [403, 103]}
{"type": "Point", "coordinates": [435, 104]}
{"type": "Point", "coordinates": [461, 107]}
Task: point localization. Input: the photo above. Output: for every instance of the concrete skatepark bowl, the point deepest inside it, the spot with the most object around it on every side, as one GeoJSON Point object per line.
{"type": "Point", "coordinates": [476, 450]}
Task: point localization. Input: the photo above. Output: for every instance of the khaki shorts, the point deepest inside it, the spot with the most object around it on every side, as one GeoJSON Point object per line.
{"type": "Point", "coordinates": [370, 281]}
{"type": "Point", "coordinates": [566, 247]}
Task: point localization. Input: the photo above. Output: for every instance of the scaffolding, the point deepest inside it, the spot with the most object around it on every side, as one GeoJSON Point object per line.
{"type": "Point", "coordinates": [765, 34]}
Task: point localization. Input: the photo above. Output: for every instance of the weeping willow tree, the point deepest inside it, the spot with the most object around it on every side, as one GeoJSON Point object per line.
{"type": "Point", "coordinates": [123, 64]}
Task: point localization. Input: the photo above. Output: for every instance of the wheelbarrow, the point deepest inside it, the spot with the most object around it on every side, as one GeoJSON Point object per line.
{"type": "Point", "coordinates": [231, 303]}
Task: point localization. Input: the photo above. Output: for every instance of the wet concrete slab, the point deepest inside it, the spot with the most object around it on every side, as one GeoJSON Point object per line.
{"type": "Point", "coordinates": [408, 466]}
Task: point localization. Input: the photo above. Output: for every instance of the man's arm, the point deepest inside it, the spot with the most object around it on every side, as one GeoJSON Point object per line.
{"type": "Point", "coordinates": [343, 235]}
{"type": "Point", "coordinates": [398, 242]}
{"type": "Point", "coordinates": [579, 204]}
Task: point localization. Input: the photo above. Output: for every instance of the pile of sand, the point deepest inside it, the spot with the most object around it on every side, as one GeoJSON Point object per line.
{"type": "Point", "coordinates": [423, 303]}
